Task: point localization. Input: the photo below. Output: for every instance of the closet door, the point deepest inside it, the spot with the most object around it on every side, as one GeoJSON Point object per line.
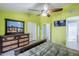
{"type": "Point", "coordinates": [32, 30]}
{"type": "Point", "coordinates": [72, 35]}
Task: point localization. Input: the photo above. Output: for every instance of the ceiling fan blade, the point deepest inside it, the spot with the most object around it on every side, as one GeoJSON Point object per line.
{"type": "Point", "coordinates": [57, 9]}
{"type": "Point", "coordinates": [33, 10]}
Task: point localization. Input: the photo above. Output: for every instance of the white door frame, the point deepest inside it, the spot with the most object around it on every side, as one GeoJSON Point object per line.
{"type": "Point", "coordinates": [72, 20]}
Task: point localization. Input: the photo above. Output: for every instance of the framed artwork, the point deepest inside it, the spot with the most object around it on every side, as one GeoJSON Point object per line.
{"type": "Point", "coordinates": [60, 23]}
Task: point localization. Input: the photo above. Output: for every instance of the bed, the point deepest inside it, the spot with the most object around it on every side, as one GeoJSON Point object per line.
{"type": "Point", "coordinates": [50, 49]}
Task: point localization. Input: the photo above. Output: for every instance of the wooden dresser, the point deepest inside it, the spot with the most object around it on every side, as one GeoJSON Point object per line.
{"type": "Point", "coordinates": [9, 42]}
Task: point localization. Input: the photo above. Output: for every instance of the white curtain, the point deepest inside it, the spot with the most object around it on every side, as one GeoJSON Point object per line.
{"type": "Point", "coordinates": [46, 31]}
{"type": "Point", "coordinates": [32, 30]}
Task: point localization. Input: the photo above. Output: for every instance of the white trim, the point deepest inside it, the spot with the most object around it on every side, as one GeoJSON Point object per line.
{"type": "Point", "coordinates": [74, 19]}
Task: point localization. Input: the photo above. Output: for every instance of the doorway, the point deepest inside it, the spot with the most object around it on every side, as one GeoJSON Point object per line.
{"type": "Point", "coordinates": [72, 31]}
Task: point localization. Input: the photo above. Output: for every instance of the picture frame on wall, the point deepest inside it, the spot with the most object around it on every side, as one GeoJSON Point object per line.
{"type": "Point", "coordinates": [60, 23]}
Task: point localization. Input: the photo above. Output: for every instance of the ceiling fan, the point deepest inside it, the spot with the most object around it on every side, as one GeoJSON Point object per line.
{"type": "Point", "coordinates": [47, 10]}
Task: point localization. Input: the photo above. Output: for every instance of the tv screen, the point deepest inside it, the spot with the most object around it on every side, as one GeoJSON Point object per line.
{"type": "Point", "coordinates": [60, 23]}
{"type": "Point", "coordinates": [13, 26]}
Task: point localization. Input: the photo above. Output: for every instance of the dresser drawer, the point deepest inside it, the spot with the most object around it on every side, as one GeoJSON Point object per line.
{"type": "Point", "coordinates": [24, 43]}
{"type": "Point", "coordinates": [8, 38]}
{"type": "Point", "coordinates": [9, 42]}
{"type": "Point", "coordinates": [23, 36]}
{"type": "Point", "coordinates": [9, 47]}
{"type": "Point", "coordinates": [21, 40]}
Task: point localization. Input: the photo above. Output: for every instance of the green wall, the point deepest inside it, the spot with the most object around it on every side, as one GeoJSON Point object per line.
{"type": "Point", "coordinates": [15, 15]}
{"type": "Point", "coordinates": [11, 15]}
{"type": "Point", "coordinates": [58, 34]}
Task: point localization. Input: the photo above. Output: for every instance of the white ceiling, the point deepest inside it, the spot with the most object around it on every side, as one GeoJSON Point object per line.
{"type": "Point", "coordinates": [25, 6]}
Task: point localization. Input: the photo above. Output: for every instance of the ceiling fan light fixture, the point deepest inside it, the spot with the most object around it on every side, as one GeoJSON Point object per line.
{"type": "Point", "coordinates": [44, 14]}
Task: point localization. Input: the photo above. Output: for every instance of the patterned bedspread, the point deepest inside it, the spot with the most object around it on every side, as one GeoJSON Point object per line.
{"type": "Point", "coordinates": [50, 49]}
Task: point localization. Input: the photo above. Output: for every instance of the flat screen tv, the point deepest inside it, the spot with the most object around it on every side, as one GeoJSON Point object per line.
{"type": "Point", "coordinates": [14, 27]}
{"type": "Point", "coordinates": [60, 23]}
